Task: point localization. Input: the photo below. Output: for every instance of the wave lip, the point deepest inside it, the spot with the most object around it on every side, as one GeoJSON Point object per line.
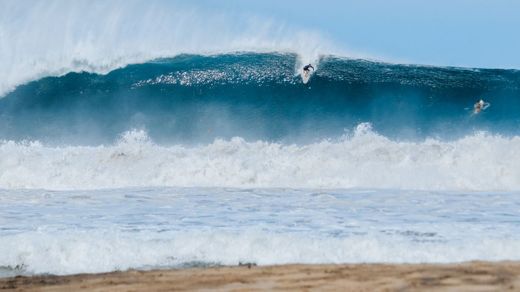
{"type": "Point", "coordinates": [480, 162]}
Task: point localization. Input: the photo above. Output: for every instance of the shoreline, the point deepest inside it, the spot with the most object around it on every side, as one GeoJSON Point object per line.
{"type": "Point", "coordinates": [468, 276]}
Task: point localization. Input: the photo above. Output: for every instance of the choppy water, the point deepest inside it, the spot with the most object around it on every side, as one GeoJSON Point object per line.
{"type": "Point", "coordinates": [64, 232]}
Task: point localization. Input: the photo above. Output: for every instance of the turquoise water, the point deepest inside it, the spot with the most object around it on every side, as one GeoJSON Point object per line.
{"type": "Point", "coordinates": [190, 99]}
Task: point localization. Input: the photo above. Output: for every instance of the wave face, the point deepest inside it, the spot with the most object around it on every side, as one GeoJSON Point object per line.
{"type": "Point", "coordinates": [195, 99]}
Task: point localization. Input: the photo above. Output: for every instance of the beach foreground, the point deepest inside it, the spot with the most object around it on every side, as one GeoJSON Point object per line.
{"type": "Point", "coordinates": [472, 276]}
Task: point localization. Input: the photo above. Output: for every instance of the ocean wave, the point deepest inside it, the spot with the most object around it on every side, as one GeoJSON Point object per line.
{"type": "Point", "coordinates": [96, 252]}
{"type": "Point", "coordinates": [196, 99]}
{"type": "Point", "coordinates": [100, 37]}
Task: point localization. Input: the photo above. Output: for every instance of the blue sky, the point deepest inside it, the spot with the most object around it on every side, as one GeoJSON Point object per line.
{"type": "Point", "coordinates": [472, 33]}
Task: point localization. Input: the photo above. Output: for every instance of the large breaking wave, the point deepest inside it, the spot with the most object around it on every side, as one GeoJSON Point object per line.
{"type": "Point", "coordinates": [247, 120]}
{"type": "Point", "coordinates": [192, 99]}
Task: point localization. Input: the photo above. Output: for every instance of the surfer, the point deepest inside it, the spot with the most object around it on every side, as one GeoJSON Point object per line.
{"type": "Point", "coordinates": [479, 106]}
{"type": "Point", "coordinates": [306, 69]}
{"type": "Point", "coordinates": [306, 74]}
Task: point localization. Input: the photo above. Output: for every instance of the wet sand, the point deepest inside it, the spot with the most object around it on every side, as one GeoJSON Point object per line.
{"type": "Point", "coordinates": [473, 276]}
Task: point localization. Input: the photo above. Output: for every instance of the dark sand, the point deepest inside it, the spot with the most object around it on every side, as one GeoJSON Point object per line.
{"type": "Point", "coordinates": [473, 276]}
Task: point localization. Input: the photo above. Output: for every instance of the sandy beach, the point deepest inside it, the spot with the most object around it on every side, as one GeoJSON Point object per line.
{"type": "Point", "coordinates": [472, 276]}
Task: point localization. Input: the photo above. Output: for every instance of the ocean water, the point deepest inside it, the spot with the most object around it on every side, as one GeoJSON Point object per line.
{"type": "Point", "coordinates": [117, 153]}
{"type": "Point", "coordinates": [63, 232]}
{"type": "Point", "coordinates": [224, 159]}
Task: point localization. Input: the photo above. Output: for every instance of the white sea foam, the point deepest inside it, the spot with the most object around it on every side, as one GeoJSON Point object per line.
{"type": "Point", "coordinates": [91, 252]}
{"type": "Point", "coordinates": [65, 232]}
{"type": "Point", "coordinates": [364, 159]}
{"type": "Point", "coordinates": [47, 38]}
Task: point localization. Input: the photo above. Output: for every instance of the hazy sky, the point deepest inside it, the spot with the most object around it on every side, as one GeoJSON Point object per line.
{"type": "Point", "coordinates": [476, 33]}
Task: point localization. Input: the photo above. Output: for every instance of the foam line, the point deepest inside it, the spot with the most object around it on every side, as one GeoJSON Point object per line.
{"type": "Point", "coordinates": [95, 252]}
{"type": "Point", "coordinates": [362, 160]}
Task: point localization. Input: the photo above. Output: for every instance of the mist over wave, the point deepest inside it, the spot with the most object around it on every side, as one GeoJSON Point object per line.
{"type": "Point", "coordinates": [51, 38]}
{"type": "Point", "coordinates": [364, 159]}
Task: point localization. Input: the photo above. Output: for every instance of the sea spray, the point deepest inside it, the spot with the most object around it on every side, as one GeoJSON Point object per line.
{"type": "Point", "coordinates": [364, 159]}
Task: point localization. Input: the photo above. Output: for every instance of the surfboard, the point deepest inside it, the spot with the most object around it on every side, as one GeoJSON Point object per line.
{"type": "Point", "coordinates": [306, 76]}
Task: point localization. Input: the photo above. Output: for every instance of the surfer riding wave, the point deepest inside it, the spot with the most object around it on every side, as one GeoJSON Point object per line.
{"type": "Point", "coordinates": [480, 106]}
{"type": "Point", "coordinates": [306, 69]}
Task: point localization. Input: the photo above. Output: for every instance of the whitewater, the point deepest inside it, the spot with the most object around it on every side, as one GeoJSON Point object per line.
{"type": "Point", "coordinates": [201, 146]}
{"type": "Point", "coordinates": [480, 162]}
